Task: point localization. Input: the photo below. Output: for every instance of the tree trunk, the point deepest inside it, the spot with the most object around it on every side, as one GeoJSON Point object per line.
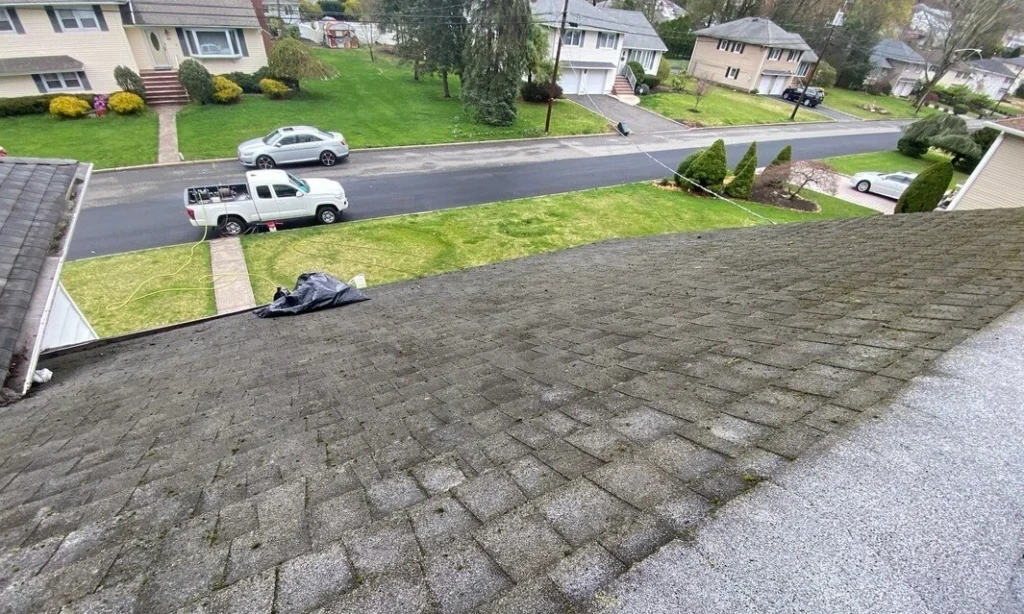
{"type": "Point", "coordinates": [444, 84]}
{"type": "Point", "coordinates": [416, 70]}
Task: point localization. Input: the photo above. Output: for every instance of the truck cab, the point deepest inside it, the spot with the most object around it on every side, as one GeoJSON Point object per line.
{"type": "Point", "coordinates": [266, 196]}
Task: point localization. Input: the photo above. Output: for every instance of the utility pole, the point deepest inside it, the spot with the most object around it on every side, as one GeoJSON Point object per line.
{"type": "Point", "coordinates": [836, 22]}
{"type": "Point", "coordinates": [558, 58]}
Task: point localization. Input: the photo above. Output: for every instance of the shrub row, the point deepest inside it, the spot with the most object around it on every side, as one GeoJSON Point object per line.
{"type": "Point", "coordinates": [35, 105]}
{"type": "Point", "coordinates": [534, 91]}
{"type": "Point", "coordinates": [250, 82]}
{"type": "Point", "coordinates": [72, 107]}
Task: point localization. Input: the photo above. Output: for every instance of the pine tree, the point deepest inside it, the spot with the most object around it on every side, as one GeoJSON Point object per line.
{"type": "Point", "coordinates": [710, 168]}
{"type": "Point", "coordinates": [743, 182]}
{"type": "Point", "coordinates": [786, 155]}
{"type": "Point", "coordinates": [927, 189]}
{"type": "Point", "coordinates": [495, 59]}
{"type": "Point", "coordinates": [442, 37]}
{"type": "Point", "coordinates": [684, 167]}
{"type": "Point", "coordinates": [750, 156]}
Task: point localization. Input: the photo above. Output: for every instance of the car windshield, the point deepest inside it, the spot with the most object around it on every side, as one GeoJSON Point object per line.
{"type": "Point", "coordinates": [302, 185]}
{"type": "Point", "coordinates": [270, 137]}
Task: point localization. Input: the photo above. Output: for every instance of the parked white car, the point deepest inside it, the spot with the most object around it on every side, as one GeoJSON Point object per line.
{"type": "Point", "coordinates": [294, 144]}
{"type": "Point", "coordinates": [885, 184]}
{"type": "Point", "coordinates": [266, 196]}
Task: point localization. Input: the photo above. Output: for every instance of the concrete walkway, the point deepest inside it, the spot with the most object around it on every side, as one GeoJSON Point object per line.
{"type": "Point", "coordinates": [919, 510]}
{"type": "Point", "coordinates": [168, 150]}
{"type": "Point", "coordinates": [231, 287]}
{"type": "Point", "coordinates": [641, 121]}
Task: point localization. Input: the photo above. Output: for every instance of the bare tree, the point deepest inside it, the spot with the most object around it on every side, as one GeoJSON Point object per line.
{"type": "Point", "coordinates": [820, 176]}
{"type": "Point", "coordinates": [969, 24]}
{"type": "Point", "coordinates": [701, 91]}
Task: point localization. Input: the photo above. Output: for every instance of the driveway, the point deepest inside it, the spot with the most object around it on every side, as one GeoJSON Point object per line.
{"type": "Point", "coordinates": [641, 121]}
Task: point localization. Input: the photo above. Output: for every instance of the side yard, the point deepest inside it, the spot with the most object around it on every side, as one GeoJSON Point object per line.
{"type": "Point", "coordinates": [724, 107]}
{"type": "Point", "coordinates": [375, 104]}
{"type": "Point", "coordinates": [107, 142]}
{"type": "Point", "coordinates": [405, 247]}
{"type": "Point", "coordinates": [889, 162]}
{"type": "Point", "coordinates": [853, 103]}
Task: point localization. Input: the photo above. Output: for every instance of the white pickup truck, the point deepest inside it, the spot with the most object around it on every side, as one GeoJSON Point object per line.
{"type": "Point", "coordinates": [266, 196]}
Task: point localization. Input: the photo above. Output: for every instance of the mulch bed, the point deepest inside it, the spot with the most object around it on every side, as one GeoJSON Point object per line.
{"type": "Point", "coordinates": [782, 199]}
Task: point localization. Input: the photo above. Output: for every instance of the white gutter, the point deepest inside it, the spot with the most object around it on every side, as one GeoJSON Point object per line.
{"type": "Point", "coordinates": [977, 172]}
{"type": "Point", "coordinates": [45, 316]}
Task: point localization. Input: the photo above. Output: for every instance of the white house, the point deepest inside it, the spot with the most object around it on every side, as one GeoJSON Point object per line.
{"type": "Point", "coordinates": [990, 77]}
{"type": "Point", "coordinates": [597, 44]}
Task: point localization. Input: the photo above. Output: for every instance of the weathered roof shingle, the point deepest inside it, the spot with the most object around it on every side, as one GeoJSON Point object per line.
{"type": "Point", "coordinates": [38, 64]}
{"type": "Point", "coordinates": [756, 31]}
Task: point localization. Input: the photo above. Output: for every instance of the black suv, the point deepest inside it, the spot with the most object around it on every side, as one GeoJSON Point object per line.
{"type": "Point", "coordinates": [813, 97]}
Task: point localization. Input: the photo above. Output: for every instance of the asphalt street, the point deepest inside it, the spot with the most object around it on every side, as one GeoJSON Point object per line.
{"type": "Point", "coordinates": [154, 216]}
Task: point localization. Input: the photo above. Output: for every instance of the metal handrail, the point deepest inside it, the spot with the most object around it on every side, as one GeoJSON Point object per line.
{"type": "Point", "coordinates": [627, 72]}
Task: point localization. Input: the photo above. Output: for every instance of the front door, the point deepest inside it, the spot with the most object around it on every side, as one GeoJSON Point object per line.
{"type": "Point", "coordinates": [157, 49]}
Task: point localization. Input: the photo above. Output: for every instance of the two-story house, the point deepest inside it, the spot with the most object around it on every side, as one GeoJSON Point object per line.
{"type": "Point", "coordinates": [988, 76]}
{"type": "Point", "coordinates": [752, 54]}
{"type": "Point", "coordinates": [50, 46]}
{"type": "Point", "coordinates": [597, 45]}
{"type": "Point", "coordinates": [1016, 66]}
{"type": "Point", "coordinates": [896, 63]}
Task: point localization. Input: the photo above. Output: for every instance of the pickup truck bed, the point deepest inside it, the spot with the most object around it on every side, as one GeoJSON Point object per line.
{"type": "Point", "coordinates": [218, 194]}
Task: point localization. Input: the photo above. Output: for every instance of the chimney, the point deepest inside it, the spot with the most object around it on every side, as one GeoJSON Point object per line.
{"type": "Point", "coordinates": [261, 16]}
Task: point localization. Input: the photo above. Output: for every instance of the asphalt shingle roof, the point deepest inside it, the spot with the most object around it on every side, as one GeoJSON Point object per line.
{"type": "Point", "coordinates": [230, 13]}
{"type": "Point", "coordinates": [33, 199]}
{"type": "Point", "coordinates": [636, 30]}
{"type": "Point", "coordinates": [756, 31]}
{"type": "Point", "coordinates": [38, 64]}
{"type": "Point", "coordinates": [896, 50]}
{"type": "Point", "coordinates": [994, 66]}
{"type": "Point", "coordinates": [503, 439]}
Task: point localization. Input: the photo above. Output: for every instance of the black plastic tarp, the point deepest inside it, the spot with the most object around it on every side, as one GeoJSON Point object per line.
{"type": "Point", "coordinates": [313, 292]}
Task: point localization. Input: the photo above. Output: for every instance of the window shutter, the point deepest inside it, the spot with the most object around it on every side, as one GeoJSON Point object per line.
{"type": "Point", "coordinates": [240, 34]}
{"type": "Point", "coordinates": [181, 39]}
{"type": "Point", "coordinates": [84, 80]}
{"type": "Point", "coordinates": [53, 19]}
{"type": "Point", "coordinates": [14, 20]}
{"type": "Point", "coordinates": [39, 83]}
{"type": "Point", "coordinates": [100, 19]}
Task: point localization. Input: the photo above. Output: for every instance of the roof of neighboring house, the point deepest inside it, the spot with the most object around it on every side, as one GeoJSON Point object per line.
{"type": "Point", "coordinates": [993, 65]}
{"type": "Point", "coordinates": [637, 379]}
{"type": "Point", "coordinates": [809, 57]}
{"type": "Point", "coordinates": [52, 2]}
{"type": "Point", "coordinates": [638, 33]}
{"type": "Point", "coordinates": [895, 50]}
{"type": "Point", "coordinates": [230, 13]}
{"type": "Point", "coordinates": [38, 64]}
{"type": "Point", "coordinates": [33, 202]}
{"type": "Point", "coordinates": [756, 31]}
{"type": "Point", "coordinates": [1018, 62]}
{"type": "Point", "coordinates": [1014, 126]}
{"type": "Point", "coordinates": [665, 10]}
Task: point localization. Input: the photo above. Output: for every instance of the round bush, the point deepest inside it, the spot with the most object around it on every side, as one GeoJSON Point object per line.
{"type": "Point", "coordinates": [651, 81]}
{"type": "Point", "coordinates": [638, 70]}
{"type": "Point", "coordinates": [927, 189]}
{"type": "Point", "coordinates": [196, 80]}
{"type": "Point", "coordinates": [538, 92]}
{"type": "Point", "coordinates": [226, 91]}
{"type": "Point", "coordinates": [129, 80]}
{"type": "Point", "coordinates": [274, 89]}
{"type": "Point", "coordinates": [69, 107]}
{"type": "Point", "coordinates": [126, 103]}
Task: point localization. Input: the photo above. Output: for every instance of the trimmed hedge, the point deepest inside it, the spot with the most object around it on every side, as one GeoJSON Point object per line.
{"type": "Point", "coordinates": [225, 91]}
{"type": "Point", "coordinates": [684, 167]}
{"type": "Point", "coordinates": [539, 92]}
{"type": "Point", "coordinates": [34, 105]}
{"type": "Point", "coordinates": [126, 103]}
{"type": "Point", "coordinates": [196, 80]}
{"type": "Point", "coordinates": [785, 156]}
{"type": "Point", "coordinates": [274, 89]}
{"type": "Point", "coordinates": [250, 82]}
{"type": "Point", "coordinates": [710, 168]}
{"type": "Point", "coordinates": [129, 80]}
{"type": "Point", "coordinates": [69, 107]}
{"type": "Point", "coordinates": [742, 183]}
{"type": "Point", "coordinates": [927, 189]}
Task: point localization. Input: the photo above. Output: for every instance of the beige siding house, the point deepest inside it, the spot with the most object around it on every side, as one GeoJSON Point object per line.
{"type": "Point", "coordinates": [752, 54]}
{"type": "Point", "coordinates": [896, 63]}
{"type": "Point", "coordinates": [56, 46]}
{"type": "Point", "coordinates": [998, 182]}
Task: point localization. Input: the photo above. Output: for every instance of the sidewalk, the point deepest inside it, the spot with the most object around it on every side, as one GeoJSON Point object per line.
{"type": "Point", "coordinates": [920, 510]}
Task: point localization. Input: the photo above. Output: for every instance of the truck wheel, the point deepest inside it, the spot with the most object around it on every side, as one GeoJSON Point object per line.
{"type": "Point", "coordinates": [327, 214]}
{"type": "Point", "coordinates": [328, 158]}
{"type": "Point", "coordinates": [232, 227]}
{"type": "Point", "coordinates": [265, 162]}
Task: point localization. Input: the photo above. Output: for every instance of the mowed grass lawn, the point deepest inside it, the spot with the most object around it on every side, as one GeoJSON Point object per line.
{"type": "Point", "coordinates": [725, 107]}
{"type": "Point", "coordinates": [107, 142]}
{"type": "Point", "coordinates": [890, 162]}
{"type": "Point", "coordinates": [414, 246]}
{"type": "Point", "coordinates": [374, 104]}
{"type": "Point", "coordinates": [848, 101]}
{"type": "Point", "coordinates": [101, 287]}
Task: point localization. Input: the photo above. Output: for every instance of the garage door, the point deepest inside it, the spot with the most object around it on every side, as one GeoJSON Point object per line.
{"type": "Point", "coordinates": [596, 80]}
{"type": "Point", "coordinates": [570, 81]}
{"type": "Point", "coordinates": [903, 88]}
{"type": "Point", "coordinates": [772, 85]}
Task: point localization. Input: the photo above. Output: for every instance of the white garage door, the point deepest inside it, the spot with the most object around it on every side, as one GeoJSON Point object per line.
{"type": "Point", "coordinates": [766, 85]}
{"type": "Point", "coordinates": [903, 88]}
{"type": "Point", "coordinates": [596, 80]}
{"type": "Point", "coordinates": [570, 82]}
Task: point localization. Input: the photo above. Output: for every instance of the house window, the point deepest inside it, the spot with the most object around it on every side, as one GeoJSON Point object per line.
{"type": "Point", "coordinates": [643, 56]}
{"type": "Point", "coordinates": [607, 40]}
{"type": "Point", "coordinates": [722, 44]}
{"type": "Point", "coordinates": [61, 81]}
{"type": "Point", "coordinates": [573, 38]}
{"type": "Point", "coordinates": [738, 48]}
{"type": "Point", "coordinates": [213, 43]}
{"type": "Point", "coordinates": [803, 70]}
{"type": "Point", "coordinates": [732, 73]}
{"type": "Point", "coordinates": [794, 56]}
{"type": "Point", "coordinates": [6, 22]}
{"type": "Point", "coordinates": [76, 18]}
{"type": "Point", "coordinates": [731, 46]}
{"type": "Point", "coordinates": [775, 54]}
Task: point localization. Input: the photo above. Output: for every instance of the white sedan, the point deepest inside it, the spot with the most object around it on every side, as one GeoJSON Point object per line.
{"type": "Point", "coordinates": [885, 184]}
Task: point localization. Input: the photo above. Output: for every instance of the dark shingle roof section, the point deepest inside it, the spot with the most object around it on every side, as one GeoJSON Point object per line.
{"type": "Point", "coordinates": [229, 13]}
{"type": "Point", "coordinates": [896, 50]}
{"type": "Point", "coordinates": [38, 64]}
{"type": "Point", "coordinates": [994, 66]}
{"type": "Point", "coordinates": [33, 198]}
{"type": "Point", "coordinates": [756, 31]}
{"type": "Point", "coordinates": [636, 31]}
{"type": "Point", "coordinates": [545, 422]}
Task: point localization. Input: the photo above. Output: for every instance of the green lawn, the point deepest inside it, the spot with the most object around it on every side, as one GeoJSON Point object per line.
{"type": "Point", "coordinates": [100, 287]}
{"type": "Point", "coordinates": [375, 104]}
{"type": "Point", "coordinates": [851, 102]}
{"type": "Point", "coordinates": [890, 162]}
{"type": "Point", "coordinates": [414, 246]}
{"type": "Point", "coordinates": [725, 107]}
{"type": "Point", "coordinates": [107, 142]}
